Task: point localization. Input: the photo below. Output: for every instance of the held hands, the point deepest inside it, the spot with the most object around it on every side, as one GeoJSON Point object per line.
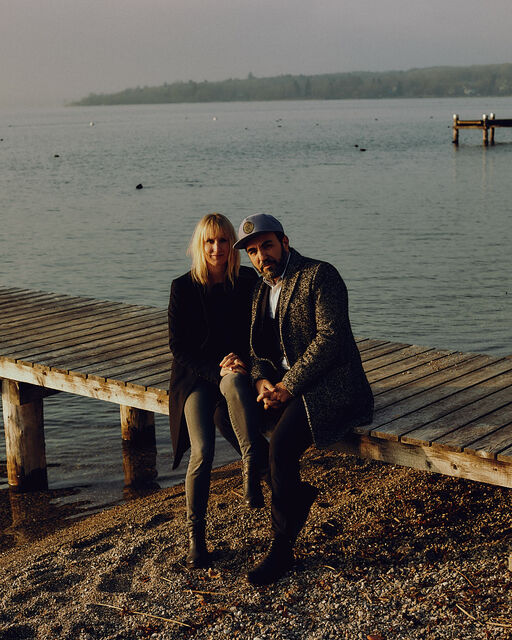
{"type": "Point", "coordinates": [272, 396]}
{"type": "Point", "coordinates": [232, 364]}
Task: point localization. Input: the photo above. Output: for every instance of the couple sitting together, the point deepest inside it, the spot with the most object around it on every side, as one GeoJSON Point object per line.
{"type": "Point", "coordinates": [239, 343]}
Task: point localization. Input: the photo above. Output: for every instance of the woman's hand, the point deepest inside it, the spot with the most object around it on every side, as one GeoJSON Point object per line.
{"type": "Point", "coordinates": [232, 364]}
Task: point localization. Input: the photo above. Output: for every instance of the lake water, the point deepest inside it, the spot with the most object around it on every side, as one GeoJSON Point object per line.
{"type": "Point", "coordinates": [419, 229]}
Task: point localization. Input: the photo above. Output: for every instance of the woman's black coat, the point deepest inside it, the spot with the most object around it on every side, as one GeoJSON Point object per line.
{"type": "Point", "coordinates": [189, 334]}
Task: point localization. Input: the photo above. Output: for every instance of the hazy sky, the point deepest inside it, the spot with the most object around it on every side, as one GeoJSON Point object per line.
{"type": "Point", "coordinates": [53, 51]}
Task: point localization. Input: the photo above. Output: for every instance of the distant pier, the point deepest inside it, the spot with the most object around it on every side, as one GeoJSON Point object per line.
{"type": "Point", "coordinates": [487, 125]}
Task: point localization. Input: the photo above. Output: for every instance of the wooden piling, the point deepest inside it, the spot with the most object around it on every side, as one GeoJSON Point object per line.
{"type": "Point", "coordinates": [492, 118]}
{"type": "Point", "coordinates": [455, 130]}
{"type": "Point", "coordinates": [137, 425]}
{"type": "Point", "coordinates": [139, 446]}
{"type": "Point", "coordinates": [485, 130]}
{"type": "Point", "coordinates": [24, 435]}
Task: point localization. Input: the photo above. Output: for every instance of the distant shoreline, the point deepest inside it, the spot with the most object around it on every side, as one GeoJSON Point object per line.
{"type": "Point", "coordinates": [431, 82]}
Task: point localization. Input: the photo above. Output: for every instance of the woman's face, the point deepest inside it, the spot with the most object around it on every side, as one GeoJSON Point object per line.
{"type": "Point", "coordinates": [216, 250]}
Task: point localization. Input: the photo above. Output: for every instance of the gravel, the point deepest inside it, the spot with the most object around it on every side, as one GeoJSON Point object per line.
{"type": "Point", "coordinates": [387, 554]}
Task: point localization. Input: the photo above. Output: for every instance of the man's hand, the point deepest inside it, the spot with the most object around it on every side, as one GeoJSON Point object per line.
{"type": "Point", "coordinates": [232, 364]}
{"type": "Point", "coordinates": [272, 396]}
{"type": "Point", "coordinates": [282, 393]}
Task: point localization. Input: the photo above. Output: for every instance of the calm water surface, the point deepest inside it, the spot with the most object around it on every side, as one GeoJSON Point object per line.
{"type": "Point", "coordinates": [419, 229]}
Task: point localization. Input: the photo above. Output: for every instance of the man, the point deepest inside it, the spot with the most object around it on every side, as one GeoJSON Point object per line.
{"type": "Point", "coordinates": [307, 372]}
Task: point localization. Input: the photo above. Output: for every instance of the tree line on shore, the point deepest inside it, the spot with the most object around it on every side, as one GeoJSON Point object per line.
{"type": "Point", "coordinates": [432, 82]}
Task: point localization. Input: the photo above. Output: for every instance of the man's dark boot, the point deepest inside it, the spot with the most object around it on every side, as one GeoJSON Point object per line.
{"type": "Point", "coordinates": [275, 564]}
{"type": "Point", "coordinates": [307, 498]}
{"type": "Point", "coordinates": [251, 475]}
{"type": "Point", "coordinates": [197, 556]}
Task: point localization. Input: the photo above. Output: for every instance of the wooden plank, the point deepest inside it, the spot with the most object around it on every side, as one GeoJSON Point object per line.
{"type": "Point", "coordinates": [80, 328]}
{"type": "Point", "coordinates": [435, 430]}
{"type": "Point", "coordinates": [13, 303]}
{"type": "Point", "coordinates": [118, 333]}
{"type": "Point", "coordinates": [422, 385]}
{"type": "Point", "coordinates": [134, 363]}
{"type": "Point", "coordinates": [160, 382]}
{"type": "Point", "coordinates": [102, 340]}
{"type": "Point", "coordinates": [4, 291]}
{"type": "Point", "coordinates": [427, 407]}
{"type": "Point", "coordinates": [459, 465]}
{"type": "Point", "coordinates": [378, 351]}
{"type": "Point", "coordinates": [17, 294]}
{"type": "Point", "coordinates": [490, 445]}
{"type": "Point", "coordinates": [478, 427]}
{"type": "Point", "coordinates": [501, 122]}
{"type": "Point", "coordinates": [55, 321]}
{"type": "Point", "coordinates": [161, 367]}
{"type": "Point", "coordinates": [72, 330]}
{"type": "Point", "coordinates": [104, 360]}
{"type": "Point", "coordinates": [392, 357]}
{"type": "Point", "coordinates": [41, 300]}
{"type": "Point", "coordinates": [402, 372]}
{"type": "Point", "coordinates": [23, 309]}
{"type": "Point", "coordinates": [505, 455]}
{"type": "Point", "coordinates": [367, 345]}
{"type": "Point", "coordinates": [118, 393]}
{"type": "Point", "coordinates": [57, 315]}
{"type": "Point", "coordinates": [468, 123]}
{"type": "Point", "coordinates": [411, 408]}
{"type": "Point", "coordinates": [105, 352]}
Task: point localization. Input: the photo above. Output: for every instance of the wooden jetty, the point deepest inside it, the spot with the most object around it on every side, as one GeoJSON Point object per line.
{"type": "Point", "coordinates": [436, 410]}
{"type": "Point", "coordinates": [487, 125]}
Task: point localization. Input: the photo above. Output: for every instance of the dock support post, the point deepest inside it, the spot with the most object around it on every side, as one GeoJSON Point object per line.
{"type": "Point", "coordinates": [485, 129]}
{"type": "Point", "coordinates": [455, 138]}
{"type": "Point", "coordinates": [24, 435]}
{"type": "Point", "coordinates": [137, 425]}
{"type": "Point", "coordinates": [139, 446]}
{"type": "Point", "coordinates": [492, 117]}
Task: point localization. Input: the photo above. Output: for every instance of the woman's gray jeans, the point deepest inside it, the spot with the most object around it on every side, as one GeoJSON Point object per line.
{"type": "Point", "coordinates": [199, 409]}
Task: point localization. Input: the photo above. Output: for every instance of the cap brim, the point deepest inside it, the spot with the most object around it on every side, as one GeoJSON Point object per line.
{"type": "Point", "coordinates": [241, 244]}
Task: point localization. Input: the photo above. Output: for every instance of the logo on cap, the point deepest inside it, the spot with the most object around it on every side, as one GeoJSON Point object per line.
{"type": "Point", "coordinates": [248, 226]}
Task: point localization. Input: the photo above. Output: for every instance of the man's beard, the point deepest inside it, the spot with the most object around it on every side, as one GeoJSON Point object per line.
{"type": "Point", "coordinates": [275, 269]}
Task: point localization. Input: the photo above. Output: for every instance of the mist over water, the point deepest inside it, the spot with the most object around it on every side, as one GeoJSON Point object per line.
{"type": "Point", "coordinates": [419, 229]}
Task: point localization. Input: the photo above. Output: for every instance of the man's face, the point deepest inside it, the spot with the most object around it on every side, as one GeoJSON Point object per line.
{"type": "Point", "coordinates": [267, 254]}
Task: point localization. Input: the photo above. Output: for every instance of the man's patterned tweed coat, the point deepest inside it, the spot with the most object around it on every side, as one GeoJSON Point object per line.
{"type": "Point", "coordinates": [317, 340]}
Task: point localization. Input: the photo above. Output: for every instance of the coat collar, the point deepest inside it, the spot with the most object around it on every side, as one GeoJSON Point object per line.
{"type": "Point", "coordinates": [289, 283]}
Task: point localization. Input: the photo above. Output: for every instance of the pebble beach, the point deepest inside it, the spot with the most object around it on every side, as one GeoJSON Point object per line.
{"type": "Point", "coordinates": [387, 554]}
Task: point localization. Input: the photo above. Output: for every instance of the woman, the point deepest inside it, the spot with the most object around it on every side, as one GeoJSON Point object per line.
{"type": "Point", "coordinates": [209, 316]}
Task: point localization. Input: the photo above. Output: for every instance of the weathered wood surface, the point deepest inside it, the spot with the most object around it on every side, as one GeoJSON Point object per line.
{"type": "Point", "coordinates": [437, 410]}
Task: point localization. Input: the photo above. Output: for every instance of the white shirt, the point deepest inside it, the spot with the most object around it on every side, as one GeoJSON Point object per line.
{"type": "Point", "coordinates": [273, 301]}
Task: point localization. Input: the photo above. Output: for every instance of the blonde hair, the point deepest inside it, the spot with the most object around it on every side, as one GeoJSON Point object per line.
{"type": "Point", "coordinates": [210, 226]}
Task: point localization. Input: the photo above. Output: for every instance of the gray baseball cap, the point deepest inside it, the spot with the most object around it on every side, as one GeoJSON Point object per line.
{"type": "Point", "coordinates": [255, 224]}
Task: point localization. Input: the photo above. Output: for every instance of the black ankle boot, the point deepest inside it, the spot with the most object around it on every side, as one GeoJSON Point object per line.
{"type": "Point", "coordinates": [275, 564]}
{"type": "Point", "coordinates": [253, 495]}
{"type": "Point", "coordinates": [197, 556]}
{"type": "Point", "coordinates": [308, 495]}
